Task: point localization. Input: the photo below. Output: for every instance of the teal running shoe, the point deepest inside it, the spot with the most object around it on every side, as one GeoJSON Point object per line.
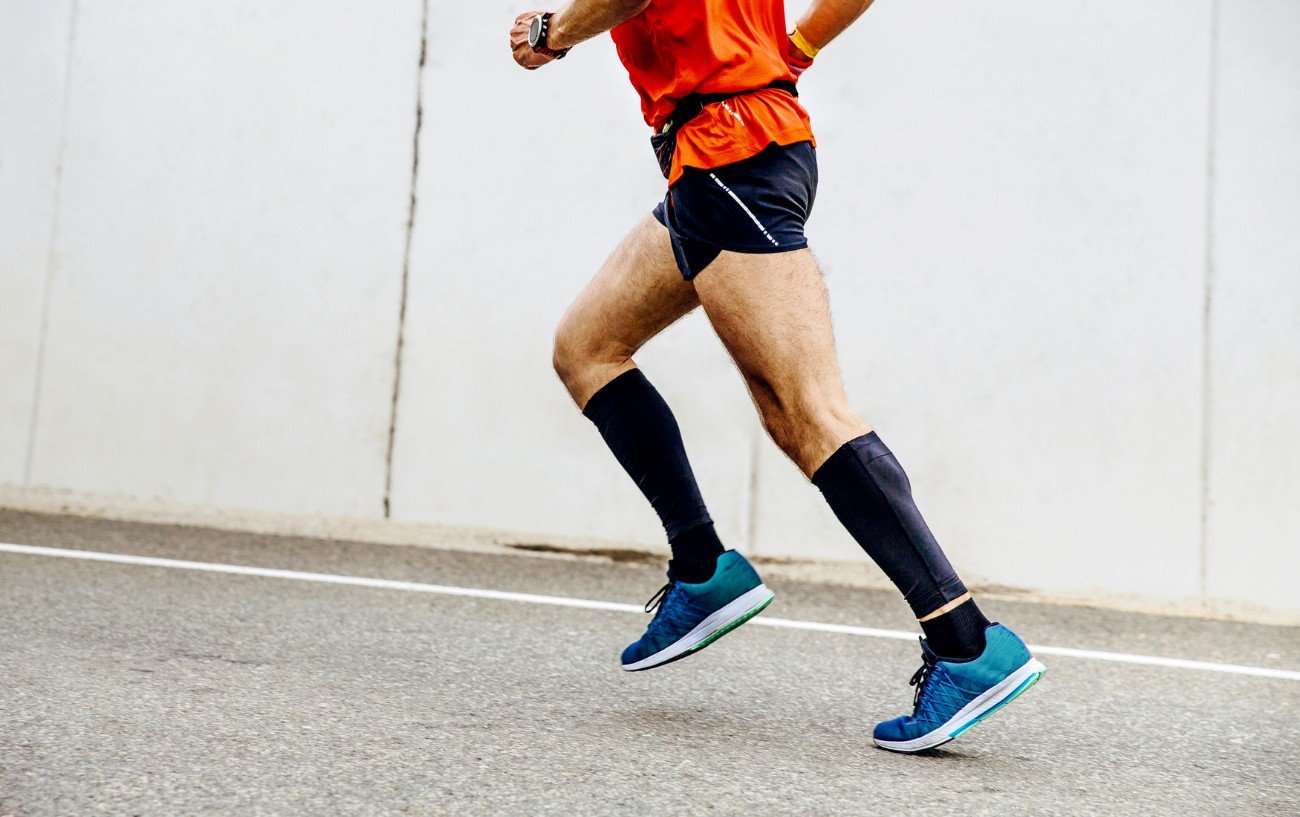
{"type": "Point", "coordinates": [953, 696]}
{"type": "Point", "coordinates": [690, 617]}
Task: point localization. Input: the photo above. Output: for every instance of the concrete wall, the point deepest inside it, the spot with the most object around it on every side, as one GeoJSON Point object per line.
{"type": "Point", "coordinates": [224, 286]}
{"type": "Point", "coordinates": [1024, 213]}
{"type": "Point", "coordinates": [490, 437]}
{"type": "Point", "coordinates": [1253, 512]}
{"type": "Point", "coordinates": [33, 62]}
{"type": "Point", "coordinates": [1012, 227]}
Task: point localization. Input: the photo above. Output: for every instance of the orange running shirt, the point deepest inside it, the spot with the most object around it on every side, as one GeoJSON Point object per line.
{"type": "Point", "coordinates": [679, 47]}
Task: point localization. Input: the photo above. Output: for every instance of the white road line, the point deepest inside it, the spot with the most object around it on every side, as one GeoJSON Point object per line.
{"type": "Point", "coordinates": [590, 604]}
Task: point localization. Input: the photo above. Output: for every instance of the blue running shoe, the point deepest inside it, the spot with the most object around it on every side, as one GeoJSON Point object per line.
{"type": "Point", "coordinates": [690, 617]}
{"type": "Point", "coordinates": [953, 696]}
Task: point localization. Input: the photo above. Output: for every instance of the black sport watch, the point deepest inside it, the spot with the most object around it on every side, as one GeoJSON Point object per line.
{"type": "Point", "coordinates": [537, 33]}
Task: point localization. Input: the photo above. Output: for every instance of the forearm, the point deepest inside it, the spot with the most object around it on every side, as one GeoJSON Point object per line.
{"type": "Point", "coordinates": [826, 19]}
{"type": "Point", "coordinates": [583, 19]}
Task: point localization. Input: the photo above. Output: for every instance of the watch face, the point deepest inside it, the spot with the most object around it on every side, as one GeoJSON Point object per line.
{"type": "Point", "coordinates": [535, 31]}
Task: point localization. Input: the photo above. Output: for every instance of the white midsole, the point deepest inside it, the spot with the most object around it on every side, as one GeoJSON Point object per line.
{"type": "Point", "coordinates": [986, 701]}
{"type": "Point", "coordinates": [716, 621]}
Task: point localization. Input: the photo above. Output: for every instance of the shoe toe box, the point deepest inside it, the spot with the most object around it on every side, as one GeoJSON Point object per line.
{"type": "Point", "coordinates": [635, 652]}
{"type": "Point", "coordinates": [899, 729]}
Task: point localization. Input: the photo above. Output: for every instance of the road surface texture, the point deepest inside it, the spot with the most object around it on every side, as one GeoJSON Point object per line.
{"type": "Point", "coordinates": [131, 689]}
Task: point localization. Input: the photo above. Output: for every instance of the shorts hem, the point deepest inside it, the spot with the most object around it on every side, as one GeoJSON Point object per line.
{"type": "Point", "coordinates": [766, 250]}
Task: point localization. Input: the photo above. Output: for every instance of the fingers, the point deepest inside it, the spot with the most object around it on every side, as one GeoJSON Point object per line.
{"type": "Point", "coordinates": [519, 40]}
{"type": "Point", "coordinates": [797, 59]}
{"type": "Point", "coordinates": [519, 47]}
{"type": "Point", "coordinates": [527, 57]}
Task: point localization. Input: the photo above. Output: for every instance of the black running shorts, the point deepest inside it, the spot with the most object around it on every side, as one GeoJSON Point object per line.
{"type": "Point", "coordinates": [758, 205]}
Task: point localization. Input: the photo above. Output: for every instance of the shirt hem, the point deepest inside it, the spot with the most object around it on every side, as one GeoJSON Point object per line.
{"type": "Point", "coordinates": [784, 138]}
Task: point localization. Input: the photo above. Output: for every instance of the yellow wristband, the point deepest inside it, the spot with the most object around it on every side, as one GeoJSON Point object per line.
{"type": "Point", "coordinates": [809, 50]}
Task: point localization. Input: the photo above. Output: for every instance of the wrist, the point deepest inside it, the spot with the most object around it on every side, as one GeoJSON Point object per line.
{"type": "Point", "coordinates": [803, 44]}
{"type": "Point", "coordinates": [557, 37]}
{"type": "Point", "coordinates": [541, 37]}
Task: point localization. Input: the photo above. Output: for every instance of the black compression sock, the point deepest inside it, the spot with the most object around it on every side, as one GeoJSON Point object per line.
{"type": "Point", "coordinates": [695, 554]}
{"type": "Point", "coordinates": [640, 429]}
{"type": "Point", "coordinates": [958, 633]}
{"type": "Point", "coordinates": [870, 494]}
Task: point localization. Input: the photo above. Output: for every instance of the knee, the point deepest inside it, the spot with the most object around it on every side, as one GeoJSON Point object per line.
{"type": "Point", "coordinates": [577, 357]}
{"type": "Point", "coordinates": [567, 357]}
{"type": "Point", "coordinates": [785, 415]}
{"type": "Point", "coordinates": [806, 429]}
{"type": "Point", "coordinates": [564, 355]}
{"type": "Point", "coordinates": [780, 425]}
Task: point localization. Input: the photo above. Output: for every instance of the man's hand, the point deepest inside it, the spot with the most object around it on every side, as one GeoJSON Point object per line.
{"type": "Point", "coordinates": [577, 22]}
{"type": "Point", "coordinates": [796, 59]}
{"type": "Point", "coordinates": [523, 52]}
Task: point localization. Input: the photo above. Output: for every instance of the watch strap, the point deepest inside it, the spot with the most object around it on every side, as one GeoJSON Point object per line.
{"type": "Point", "coordinates": [540, 46]}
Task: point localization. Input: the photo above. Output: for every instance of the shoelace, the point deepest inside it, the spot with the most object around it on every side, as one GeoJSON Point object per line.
{"type": "Point", "coordinates": [919, 680]}
{"type": "Point", "coordinates": [656, 603]}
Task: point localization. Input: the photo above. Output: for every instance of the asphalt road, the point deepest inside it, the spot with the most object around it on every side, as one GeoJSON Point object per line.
{"type": "Point", "coordinates": [134, 690]}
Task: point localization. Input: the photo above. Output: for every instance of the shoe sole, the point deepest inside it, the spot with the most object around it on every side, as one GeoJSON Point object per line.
{"type": "Point", "coordinates": [993, 699]}
{"type": "Point", "coordinates": [719, 623]}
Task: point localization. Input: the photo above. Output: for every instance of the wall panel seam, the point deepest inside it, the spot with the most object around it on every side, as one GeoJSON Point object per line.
{"type": "Point", "coordinates": [406, 260]}
{"type": "Point", "coordinates": [51, 251]}
{"type": "Point", "coordinates": [1207, 298]}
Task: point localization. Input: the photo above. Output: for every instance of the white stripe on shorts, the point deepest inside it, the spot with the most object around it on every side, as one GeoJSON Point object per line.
{"type": "Point", "coordinates": [748, 212]}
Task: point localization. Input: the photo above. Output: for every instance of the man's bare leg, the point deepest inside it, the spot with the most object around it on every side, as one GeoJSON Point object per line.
{"type": "Point", "coordinates": [637, 294]}
{"type": "Point", "coordinates": [772, 314]}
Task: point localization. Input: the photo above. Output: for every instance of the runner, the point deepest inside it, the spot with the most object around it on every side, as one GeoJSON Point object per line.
{"type": "Point", "coordinates": [717, 85]}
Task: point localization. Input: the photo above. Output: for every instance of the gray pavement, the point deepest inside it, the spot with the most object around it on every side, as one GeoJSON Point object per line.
{"type": "Point", "coordinates": [148, 691]}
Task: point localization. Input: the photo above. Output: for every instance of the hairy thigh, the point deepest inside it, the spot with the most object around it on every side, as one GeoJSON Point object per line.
{"type": "Point", "coordinates": [637, 293]}
{"type": "Point", "coordinates": [772, 314]}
